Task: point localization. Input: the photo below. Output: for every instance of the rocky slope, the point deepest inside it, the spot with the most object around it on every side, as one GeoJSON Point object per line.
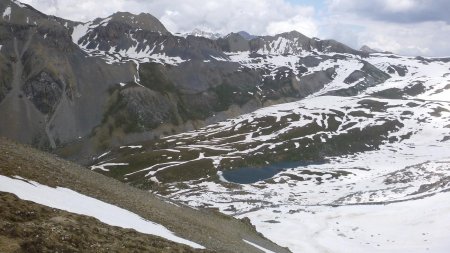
{"type": "Point", "coordinates": [85, 87]}
{"type": "Point", "coordinates": [29, 227]}
{"type": "Point", "coordinates": [354, 112]}
{"type": "Point", "coordinates": [52, 92]}
{"type": "Point", "coordinates": [206, 227]}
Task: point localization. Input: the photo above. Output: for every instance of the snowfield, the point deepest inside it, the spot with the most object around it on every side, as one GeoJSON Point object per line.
{"type": "Point", "coordinates": [74, 202]}
{"type": "Point", "coordinates": [391, 195]}
{"type": "Point", "coordinates": [421, 225]}
{"type": "Point", "coordinates": [373, 201]}
{"type": "Point", "coordinates": [381, 196]}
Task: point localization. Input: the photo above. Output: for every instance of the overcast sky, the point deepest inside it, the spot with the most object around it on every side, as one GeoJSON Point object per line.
{"type": "Point", "coordinates": [409, 27]}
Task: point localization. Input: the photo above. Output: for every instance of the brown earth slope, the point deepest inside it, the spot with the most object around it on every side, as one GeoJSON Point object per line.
{"type": "Point", "coordinates": [28, 227]}
{"type": "Point", "coordinates": [206, 227]}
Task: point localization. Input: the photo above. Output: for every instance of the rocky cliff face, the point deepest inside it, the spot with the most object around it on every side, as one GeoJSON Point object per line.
{"type": "Point", "coordinates": [52, 93]}
{"type": "Point", "coordinates": [90, 86]}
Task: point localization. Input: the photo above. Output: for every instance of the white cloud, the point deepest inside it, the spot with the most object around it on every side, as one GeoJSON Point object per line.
{"type": "Point", "coordinates": [80, 10]}
{"type": "Point", "coordinates": [426, 38]}
{"type": "Point", "coordinates": [374, 5]}
{"type": "Point", "coordinates": [399, 5]}
{"type": "Point", "coordinates": [409, 27]}
{"type": "Point", "coordinates": [397, 11]}
{"type": "Point", "coordinates": [254, 16]}
{"type": "Point", "coordinates": [301, 22]}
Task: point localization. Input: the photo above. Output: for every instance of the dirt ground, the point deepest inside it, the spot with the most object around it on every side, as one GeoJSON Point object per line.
{"type": "Point", "coordinates": [28, 227]}
{"type": "Point", "coordinates": [209, 228]}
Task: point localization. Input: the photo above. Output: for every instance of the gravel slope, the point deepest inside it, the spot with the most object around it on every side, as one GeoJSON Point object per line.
{"type": "Point", "coordinates": [207, 227]}
{"type": "Point", "coordinates": [29, 227]}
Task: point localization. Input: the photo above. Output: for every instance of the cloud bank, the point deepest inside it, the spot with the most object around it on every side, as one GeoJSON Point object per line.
{"type": "Point", "coordinates": [409, 27]}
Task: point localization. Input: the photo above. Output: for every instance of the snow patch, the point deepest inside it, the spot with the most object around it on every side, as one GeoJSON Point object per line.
{"type": "Point", "coordinates": [7, 13]}
{"type": "Point", "coordinates": [19, 3]}
{"type": "Point", "coordinates": [132, 147]}
{"type": "Point", "coordinates": [103, 166]}
{"type": "Point", "coordinates": [102, 155]}
{"type": "Point", "coordinates": [79, 31]}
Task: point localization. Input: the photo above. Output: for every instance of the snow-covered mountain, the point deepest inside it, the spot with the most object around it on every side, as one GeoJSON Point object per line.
{"type": "Point", "coordinates": [200, 33]}
{"type": "Point", "coordinates": [317, 143]}
{"type": "Point", "coordinates": [125, 78]}
{"type": "Point", "coordinates": [369, 50]}
{"type": "Point", "coordinates": [247, 35]}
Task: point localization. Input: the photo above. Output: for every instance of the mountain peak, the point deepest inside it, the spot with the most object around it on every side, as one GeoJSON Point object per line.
{"type": "Point", "coordinates": [367, 49]}
{"type": "Point", "coordinates": [200, 33]}
{"type": "Point", "coordinates": [144, 21]}
{"type": "Point", "coordinates": [293, 34]}
{"type": "Point", "coordinates": [247, 35]}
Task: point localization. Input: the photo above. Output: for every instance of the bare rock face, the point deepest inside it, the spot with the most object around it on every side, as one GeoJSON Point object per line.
{"type": "Point", "coordinates": [142, 109]}
{"type": "Point", "coordinates": [234, 42]}
{"type": "Point", "coordinates": [51, 93]}
{"type": "Point", "coordinates": [44, 91]}
{"type": "Point", "coordinates": [399, 69]}
{"type": "Point", "coordinates": [5, 79]}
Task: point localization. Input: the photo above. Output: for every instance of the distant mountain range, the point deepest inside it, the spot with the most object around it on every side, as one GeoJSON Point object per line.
{"type": "Point", "coordinates": [214, 36]}
{"type": "Point", "coordinates": [200, 33]}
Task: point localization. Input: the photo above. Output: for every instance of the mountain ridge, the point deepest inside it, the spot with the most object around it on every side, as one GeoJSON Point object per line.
{"type": "Point", "coordinates": [228, 76]}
